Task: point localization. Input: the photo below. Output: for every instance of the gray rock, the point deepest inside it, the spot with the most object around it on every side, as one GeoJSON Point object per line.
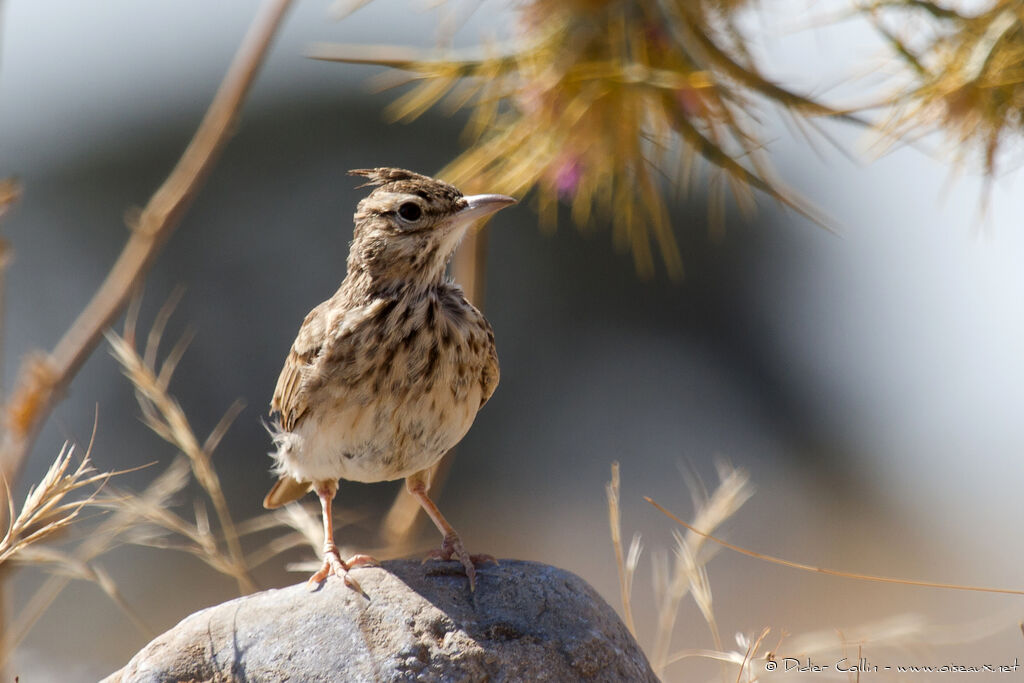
{"type": "Point", "coordinates": [525, 622]}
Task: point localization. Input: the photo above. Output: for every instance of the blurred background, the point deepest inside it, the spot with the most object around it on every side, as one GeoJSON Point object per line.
{"type": "Point", "coordinates": [869, 380]}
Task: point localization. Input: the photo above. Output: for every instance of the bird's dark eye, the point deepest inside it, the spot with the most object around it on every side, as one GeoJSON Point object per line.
{"type": "Point", "coordinates": [410, 212]}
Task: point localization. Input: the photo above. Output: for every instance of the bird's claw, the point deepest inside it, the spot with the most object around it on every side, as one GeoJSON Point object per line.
{"type": "Point", "coordinates": [452, 549]}
{"type": "Point", "coordinates": [333, 564]}
{"type": "Point", "coordinates": [362, 561]}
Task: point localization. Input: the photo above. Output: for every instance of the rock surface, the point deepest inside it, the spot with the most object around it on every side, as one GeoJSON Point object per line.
{"type": "Point", "coordinates": [525, 622]}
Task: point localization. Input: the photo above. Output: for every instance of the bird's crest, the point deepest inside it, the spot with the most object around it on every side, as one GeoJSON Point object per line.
{"type": "Point", "coordinates": [384, 175]}
{"type": "Point", "coordinates": [400, 180]}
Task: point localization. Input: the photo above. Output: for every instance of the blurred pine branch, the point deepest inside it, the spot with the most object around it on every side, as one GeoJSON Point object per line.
{"type": "Point", "coordinates": [602, 104]}
{"type": "Point", "coordinates": [964, 75]}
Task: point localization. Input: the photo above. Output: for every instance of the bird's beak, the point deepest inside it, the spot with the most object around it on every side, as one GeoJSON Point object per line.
{"type": "Point", "coordinates": [481, 205]}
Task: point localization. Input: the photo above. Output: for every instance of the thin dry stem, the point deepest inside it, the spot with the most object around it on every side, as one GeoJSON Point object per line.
{"type": "Point", "coordinates": [307, 530]}
{"type": "Point", "coordinates": [626, 564]}
{"type": "Point", "coordinates": [44, 378]}
{"type": "Point", "coordinates": [68, 566]}
{"type": "Point", "coordinates": [688, 575]}
{"type": "Point", "coordinates": [164, 415]}
{"type": "Point", "coordinates": [46, 509]}
{"type": "Point", "coordinates": [693, 529]}
{"type": "Point", "coordinates": [109, 534]}
{"type": "Point", "coordinates": [10, 192]}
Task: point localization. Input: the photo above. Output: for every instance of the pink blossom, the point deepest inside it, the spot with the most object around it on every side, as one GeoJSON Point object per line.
{"type": "Point", "coordinates": [567, 175]}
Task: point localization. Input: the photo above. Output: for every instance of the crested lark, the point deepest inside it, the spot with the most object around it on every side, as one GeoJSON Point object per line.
{"type": "Point", "coordinates": [388, 374]}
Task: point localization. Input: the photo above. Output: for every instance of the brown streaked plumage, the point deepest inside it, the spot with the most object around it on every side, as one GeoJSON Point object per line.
{"type": "Point", "coordinates": [388, 374]}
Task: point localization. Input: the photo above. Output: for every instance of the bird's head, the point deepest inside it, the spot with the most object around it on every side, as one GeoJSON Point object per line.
{"type": "Point", "coordinates": [408, 227]}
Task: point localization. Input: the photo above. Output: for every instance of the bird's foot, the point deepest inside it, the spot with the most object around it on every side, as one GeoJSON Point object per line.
{"type": "Point", "coordinates": [333, 564]}
{"type": "Point", "coordinates": [452, 549]}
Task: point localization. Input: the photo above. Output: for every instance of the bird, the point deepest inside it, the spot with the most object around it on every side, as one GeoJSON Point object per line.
{"type": "Point", "coordinates": [388, 374]}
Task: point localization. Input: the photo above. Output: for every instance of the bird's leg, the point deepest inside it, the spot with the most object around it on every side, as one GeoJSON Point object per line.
{"type": "Point", "coordinates": [451, 546]}
{"type": "Point", "coordinates": [333, 564]}
{"type": "Point", "coordinates": [332, 559]}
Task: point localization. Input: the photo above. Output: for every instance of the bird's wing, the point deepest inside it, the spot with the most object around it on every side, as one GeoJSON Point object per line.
{"type": "Point", "coordinates": [290, 396]}
{"type": "Point", "coordinates": [491, 373]}
{"type": "Point", "coordinates": [328, 336]}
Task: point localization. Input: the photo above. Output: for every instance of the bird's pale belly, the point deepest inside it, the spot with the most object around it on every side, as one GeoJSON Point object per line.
{"type": "Point", "coordinates": [383, 439]}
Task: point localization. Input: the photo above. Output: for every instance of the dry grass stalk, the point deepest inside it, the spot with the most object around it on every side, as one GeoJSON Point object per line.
{"type": "Point", "coordinates": [304, 523]}
{"type": "Point", "coordinates": [44, 377]}
{"type": "Point", "coordinates": [47, 512]}
{"type": "Point", "coordinates": [743, 659]}
{"type": "Point", "coordinates": [47, 509]}
{"type": "Point", "coordinates": [697, 531]}
{"type": "Point", "coordinates": [67, 565]}
{"type": "Point", "coordinates": [688, 575]}
{"type": "Point", "coordinates": [900, 634]}
{"type": "Point", "coordinates": [164, 415]}
{"type": "Point", "coordinates": [10, 192]}
{"type": "Point", "coordinates": [307, 531]}
{"type": "Point", "coordinates": [626, 563]}
{"type": "Point", "coordinates": [896, 635]}
{"type": "Point", "coordinates": [162, 528]}
{"type": "Point", "coordinates": [148, 519]}
{"type": "Point", "coordinates": [121, 527]}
